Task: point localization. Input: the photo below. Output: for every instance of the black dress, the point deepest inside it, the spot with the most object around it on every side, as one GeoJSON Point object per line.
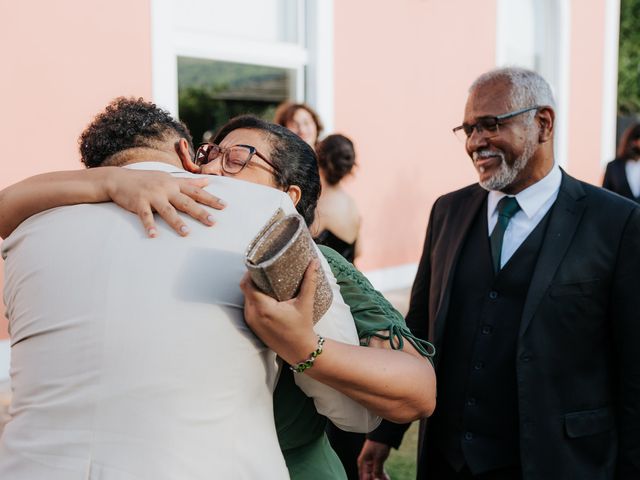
{"type": "Point", "coordinates": [328, 238]}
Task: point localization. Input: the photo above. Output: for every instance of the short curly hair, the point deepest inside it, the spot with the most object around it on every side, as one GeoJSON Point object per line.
{"type": "Point", "coordinates": [128, 123]}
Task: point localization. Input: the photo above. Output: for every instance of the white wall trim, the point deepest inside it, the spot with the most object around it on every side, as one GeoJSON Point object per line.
{"type": "Point", "coordinates": [5, 360]}
{"type": "Point", "coordinates": [164, 69]}
{"type": "Point", "coordinates": [564, 83]}
{"type": "Point", "coordinates": [501, 51]}
{"type": "Point", "coordinates": [610, 81]}
{"type": "Point", "coordinates": [320, 44]}
{"type": "Point", "coordinates": [555, 66]}
{"type": "Point", "coordinates": [393, 278]}
{"type": "Point", "coordinates": [202, 45]}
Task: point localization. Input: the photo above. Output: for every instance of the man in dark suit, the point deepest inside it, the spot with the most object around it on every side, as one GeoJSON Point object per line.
{"type": "Point", "coordinates": [529, 287]}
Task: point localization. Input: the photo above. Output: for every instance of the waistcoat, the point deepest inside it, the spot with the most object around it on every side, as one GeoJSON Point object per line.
{"type": "Point", "coordinates": [476, 419]}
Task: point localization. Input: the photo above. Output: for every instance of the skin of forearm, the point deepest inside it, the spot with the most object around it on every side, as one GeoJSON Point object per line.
{"type": "Point", "coordinates": [384, 381]}
{"type": "Point", "coordinates": [49, 190]}
{"type": "Point", "coordinates": [394, 384]}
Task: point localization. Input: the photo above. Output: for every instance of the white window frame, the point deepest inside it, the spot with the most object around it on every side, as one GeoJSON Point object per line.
{"type": "Point", "coordinates": [554, 60]}
{"type": "Point", "coordinates": [610, 81]}
{"type": "Point", "coordinates": [313, 65]}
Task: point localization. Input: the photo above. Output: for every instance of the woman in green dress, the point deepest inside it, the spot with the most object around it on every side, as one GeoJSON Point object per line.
{"type": "Point", "coordinates": [391, 377]}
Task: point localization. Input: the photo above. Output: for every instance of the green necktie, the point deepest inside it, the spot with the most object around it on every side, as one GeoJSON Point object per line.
{"type": "Point", "coordinates": [507, 208]}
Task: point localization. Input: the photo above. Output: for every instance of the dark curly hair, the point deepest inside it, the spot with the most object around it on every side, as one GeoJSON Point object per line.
{"type": "Point", "coordinates": [295, 160]}
{"type": "Point", "coordinates": [128, 123]}
{"type": "Point", "coordinates": [336, 158]}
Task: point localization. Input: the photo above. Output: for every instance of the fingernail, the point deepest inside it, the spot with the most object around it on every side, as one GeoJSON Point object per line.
{"type": "Point", "coordinates": [152, 232]}
{"type": "Point", "coordinates": [211, 220]}
{"type": "Point", "coordinates": [184, 229]}
{"type": "Point", "coordinates": [222, 202]}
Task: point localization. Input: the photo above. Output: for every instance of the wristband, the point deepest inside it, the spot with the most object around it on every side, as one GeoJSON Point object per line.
{"type": "Point", "coordinates": [308, 363]}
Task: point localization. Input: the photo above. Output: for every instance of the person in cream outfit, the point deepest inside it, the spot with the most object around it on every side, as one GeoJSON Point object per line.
{"type": "Point", "coordinates": [130, 358]}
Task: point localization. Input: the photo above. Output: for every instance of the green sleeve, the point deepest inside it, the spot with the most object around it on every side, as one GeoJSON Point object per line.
{"type": "Point", "coordinates": [374, 316]}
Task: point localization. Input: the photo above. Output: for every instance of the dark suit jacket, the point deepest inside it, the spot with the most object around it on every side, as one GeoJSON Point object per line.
{"type": "Point", "coordinates": [577, 364]}
{"type": "Point", "coordinates": [615, 178]}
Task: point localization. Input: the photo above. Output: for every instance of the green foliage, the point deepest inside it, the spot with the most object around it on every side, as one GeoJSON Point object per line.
{"type": "Point", "coordinates": [203, 110]}
{"type": "Point", "coordinates": [629, 58]}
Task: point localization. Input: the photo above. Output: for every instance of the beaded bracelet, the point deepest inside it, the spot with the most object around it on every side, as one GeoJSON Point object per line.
{"type": "Point", "coordinates": [302, 366]}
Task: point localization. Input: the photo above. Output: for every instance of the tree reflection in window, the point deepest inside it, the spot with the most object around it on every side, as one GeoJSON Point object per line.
{"type": "Point", "coordinates": [210, 92]}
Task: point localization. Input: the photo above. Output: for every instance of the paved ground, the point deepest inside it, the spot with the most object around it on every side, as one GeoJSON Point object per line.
{"type": "Point", "coordinates": [399, 298]}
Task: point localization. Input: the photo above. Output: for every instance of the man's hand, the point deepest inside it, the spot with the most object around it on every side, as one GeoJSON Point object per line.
{"type": "Point", "coordinates": [143, 192]}
{"type": "Point", "coordinates": [371, 460]}
{"type": "Point", "coordinates": [285, 327]}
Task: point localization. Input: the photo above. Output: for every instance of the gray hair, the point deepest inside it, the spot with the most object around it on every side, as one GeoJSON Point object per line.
{"type": "Point", "coordinates": [528, 88]}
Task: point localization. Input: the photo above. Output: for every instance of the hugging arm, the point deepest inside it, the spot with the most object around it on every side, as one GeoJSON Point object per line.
{"type": "Point", "coordinates": [395, 384]}
{"type": "Point", "coordinates": [138, 191]}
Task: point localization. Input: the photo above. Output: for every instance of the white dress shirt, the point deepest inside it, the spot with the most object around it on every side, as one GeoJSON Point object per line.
{"type": "Point", "coordinates": [632, 171]}
{"type": "Point", "coordinates": [130, 357]}
{"type": "Point", "coordinates": [535, 201]}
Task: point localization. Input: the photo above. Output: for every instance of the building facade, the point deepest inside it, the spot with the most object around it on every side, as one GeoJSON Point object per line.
{"type": "Point", "coordinates": [393, 76]}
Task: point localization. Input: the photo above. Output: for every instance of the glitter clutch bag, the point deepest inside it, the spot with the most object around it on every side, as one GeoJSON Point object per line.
{"type": "Point", "coordinates": [278, 257]}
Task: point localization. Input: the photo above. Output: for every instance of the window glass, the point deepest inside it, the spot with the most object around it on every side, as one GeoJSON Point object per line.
{"type": "Point", "coordinates": [264, 20]}
{"type": "Point", "coordinates": [210, 92]}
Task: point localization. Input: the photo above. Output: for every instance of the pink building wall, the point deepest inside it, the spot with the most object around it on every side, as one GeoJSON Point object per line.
{"type": "Point", "coordinates": [401, 80]}
{"type": "Point", "coordinates": [585, 105]}
{"type": "Point", "coordinates": [61, 63]}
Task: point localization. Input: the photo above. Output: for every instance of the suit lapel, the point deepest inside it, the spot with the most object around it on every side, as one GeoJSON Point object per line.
{"type": "Point", "coordinates": [460, 223]}
{"type": "Point", "coordinates": [565, 216]}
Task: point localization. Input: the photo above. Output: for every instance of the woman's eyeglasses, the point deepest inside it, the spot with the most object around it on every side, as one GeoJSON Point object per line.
{"type": "Point", "coordinates": [233, 159]}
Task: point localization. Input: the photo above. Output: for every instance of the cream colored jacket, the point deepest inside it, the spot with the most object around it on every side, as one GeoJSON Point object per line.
{"type": "Point", "coordinates": [130, 358]}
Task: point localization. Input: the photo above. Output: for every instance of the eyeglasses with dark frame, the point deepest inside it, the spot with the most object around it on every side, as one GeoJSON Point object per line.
{"type": "Point", "coordinates": [488, 127]}
{"type": "Point", "coordinates": [234, 158]}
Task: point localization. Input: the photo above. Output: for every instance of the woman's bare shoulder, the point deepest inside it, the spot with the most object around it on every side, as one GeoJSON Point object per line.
{"type": "Point", "coordinates": [339, 213]}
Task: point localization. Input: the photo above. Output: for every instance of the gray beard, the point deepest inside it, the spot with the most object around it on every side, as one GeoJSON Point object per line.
{"type": "Point", "coordinates": [506, 175]}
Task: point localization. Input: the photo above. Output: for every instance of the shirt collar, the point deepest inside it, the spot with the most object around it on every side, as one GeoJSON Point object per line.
{"type": "Point", "coordinates": [158, 166]}
{"type": "Point", "coordinates": [532, 198]}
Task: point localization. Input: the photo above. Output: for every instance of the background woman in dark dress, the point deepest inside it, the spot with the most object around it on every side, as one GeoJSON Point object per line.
{"type": "Point", "coordinates": [623, 174]}
{"type": "Point", "coordinates": [337, 221]}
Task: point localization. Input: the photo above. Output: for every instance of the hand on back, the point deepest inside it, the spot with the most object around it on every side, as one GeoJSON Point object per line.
{"type": "Point", "coordinates": [144, 192]}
